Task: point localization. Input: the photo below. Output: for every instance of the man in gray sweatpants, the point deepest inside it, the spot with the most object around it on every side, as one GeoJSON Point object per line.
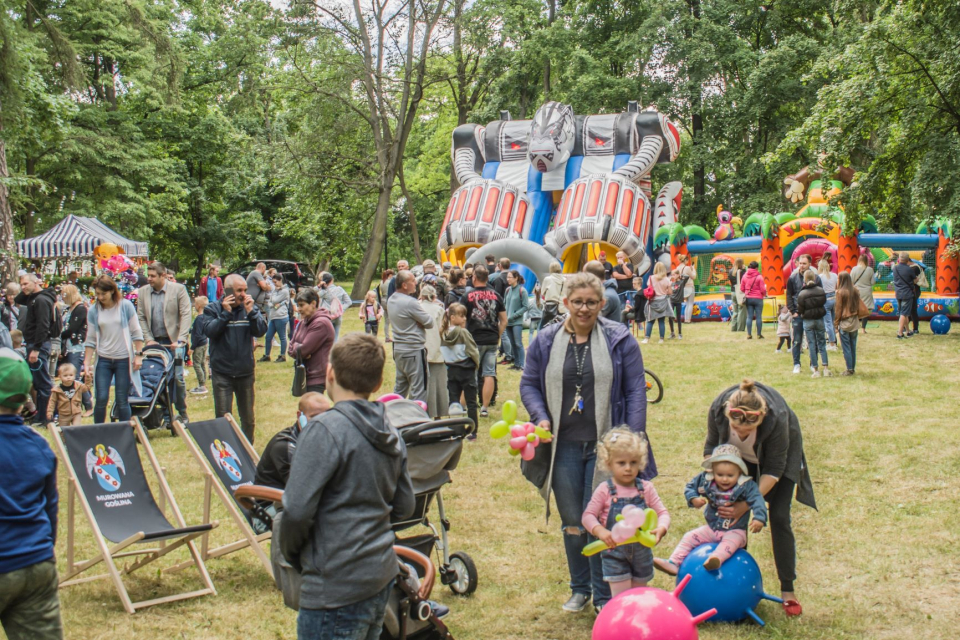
{"type": "Point", "coordinates": [409, 322]}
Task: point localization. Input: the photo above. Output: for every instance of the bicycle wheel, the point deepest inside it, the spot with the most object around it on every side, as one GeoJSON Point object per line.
{"type": "Point", "coordinates": [654, 387]}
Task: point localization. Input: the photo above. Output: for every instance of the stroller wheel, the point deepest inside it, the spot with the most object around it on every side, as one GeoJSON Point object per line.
{"type": "Point", "coordinates": [465, 570]}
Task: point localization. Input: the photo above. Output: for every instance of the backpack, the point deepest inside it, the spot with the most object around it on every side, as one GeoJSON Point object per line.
{"type": "Point", "coordinates": [335, 309]}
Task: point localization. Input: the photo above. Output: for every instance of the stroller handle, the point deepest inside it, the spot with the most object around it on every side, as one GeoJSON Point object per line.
{"type": "Point", "coordinates": [411, 433]}
{"type": "Point", "coordinates": [246, 494]}
{"type": "Point", "coordinates": [429, 571]}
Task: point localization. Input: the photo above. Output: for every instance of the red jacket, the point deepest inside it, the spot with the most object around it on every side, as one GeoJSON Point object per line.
{"type": "Point", "coordinates": [753, 285]}
{"type": "Point", "coordinates": [314, 339]}
{"type": "Point", "coordinates": [202, 291]}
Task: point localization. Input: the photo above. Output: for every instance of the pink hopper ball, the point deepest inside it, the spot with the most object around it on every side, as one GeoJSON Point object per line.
{"type": "Point", "coordinates": [646, 613]}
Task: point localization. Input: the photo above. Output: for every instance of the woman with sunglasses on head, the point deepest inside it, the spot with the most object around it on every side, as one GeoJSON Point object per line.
{"type": "Point", "coordinates": [757, 420]}
{"type": "Point", "coordinates": [580, 380]}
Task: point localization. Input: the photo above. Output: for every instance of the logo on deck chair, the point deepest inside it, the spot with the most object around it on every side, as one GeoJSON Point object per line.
{"type": "Point", "coordinates": [226, 458]}
{"type": "Point", "coordinates": [107, 464]}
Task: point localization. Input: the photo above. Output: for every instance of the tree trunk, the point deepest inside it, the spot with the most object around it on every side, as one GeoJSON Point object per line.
{"type": "Point", "coordinates": [371, 254]}
{"type": "Point", "coordinates": [411, 212]}
{"type": "Point", "coordinates": [30, 220]}
{"type": "Point", "coordinates": [699, 172]}
{"type": "Point", "coordinates": [8, 247]}
{"type": "Point", "coordinates": [551, 16]}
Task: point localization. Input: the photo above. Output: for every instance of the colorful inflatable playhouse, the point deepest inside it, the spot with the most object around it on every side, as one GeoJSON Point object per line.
{"type": "Point", "coordinates": [816, 230]}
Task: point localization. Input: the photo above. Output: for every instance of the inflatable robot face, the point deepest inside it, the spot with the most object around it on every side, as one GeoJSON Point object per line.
{"type": "Point", "coordinates": [551, 137]}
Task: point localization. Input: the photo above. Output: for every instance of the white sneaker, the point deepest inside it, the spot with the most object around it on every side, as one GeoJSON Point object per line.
{"type": "Point", "coordinates": [826, 372]}
{"type": "Point", "coordinates": [661, 340]}
{"type": "Point", "coordinates": [816, 374]}
{"type": "Point", "coordinates": [645, 341]}
{"type": "Point", "coordinates": [796, 368]}
{"type": "Point", "coordinates": [778, 351]}
{"type": "Point", "coordinates": [813, 369]}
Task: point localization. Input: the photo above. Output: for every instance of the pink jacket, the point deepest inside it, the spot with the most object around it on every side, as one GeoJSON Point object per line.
{"type": "Point", "coordinates": [752, 284]}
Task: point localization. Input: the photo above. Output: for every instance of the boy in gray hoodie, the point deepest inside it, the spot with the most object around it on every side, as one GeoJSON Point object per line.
{"type": "Point", "coordinates": [348, 479]}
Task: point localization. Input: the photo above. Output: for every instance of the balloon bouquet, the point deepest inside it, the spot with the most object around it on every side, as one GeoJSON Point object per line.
{"type": "Point", "coordinates": [119, 267]}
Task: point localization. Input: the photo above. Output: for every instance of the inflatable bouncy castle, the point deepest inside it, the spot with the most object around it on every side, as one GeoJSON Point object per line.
{"type": "Point", "coordinates": [560, 187]}
{"type": "Point", "coordinates": [571, 188]}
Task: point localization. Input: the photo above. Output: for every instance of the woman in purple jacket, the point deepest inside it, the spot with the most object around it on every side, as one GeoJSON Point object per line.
{"type": "Point", "coordinates": [595, 374]}
{"type": "Point", "coordinates": [313, 339]}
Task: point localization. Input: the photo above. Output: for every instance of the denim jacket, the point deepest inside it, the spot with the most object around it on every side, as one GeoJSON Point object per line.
{"type": "Point", "coordinates": [703, 486]}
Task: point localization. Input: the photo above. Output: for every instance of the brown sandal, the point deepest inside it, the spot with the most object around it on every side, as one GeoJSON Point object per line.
{"type": "Point", "coordinates": [792, 608]}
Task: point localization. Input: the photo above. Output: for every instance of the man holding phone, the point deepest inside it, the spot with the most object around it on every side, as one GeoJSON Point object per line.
{"type": "Point", "coordinates": [231, 326]}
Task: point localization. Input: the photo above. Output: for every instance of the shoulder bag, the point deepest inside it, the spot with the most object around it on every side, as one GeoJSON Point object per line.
{"type": "Point", "coordinates": [299, 376]}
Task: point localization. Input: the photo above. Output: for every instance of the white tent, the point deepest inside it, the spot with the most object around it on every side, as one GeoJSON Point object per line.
{"type": "Point", "coordinates": [75, 236]}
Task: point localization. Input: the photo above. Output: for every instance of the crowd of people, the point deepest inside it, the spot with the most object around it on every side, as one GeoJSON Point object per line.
{"type": "Point", "coordinates": [447, 325]}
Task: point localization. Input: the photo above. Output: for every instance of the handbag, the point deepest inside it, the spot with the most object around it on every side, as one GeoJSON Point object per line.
{"type": "Point", "coordinates": [299, 376]}
{"type": "Point", "coordinates": [649, 293]}
{"type": "Point", "coordinates": [677, 296]}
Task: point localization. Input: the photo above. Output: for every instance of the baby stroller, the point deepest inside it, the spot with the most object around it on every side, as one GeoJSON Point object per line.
{"type": "Point", "coordinates": [156, 378]}
{"type": "Point", "coordinates": [433, 451]}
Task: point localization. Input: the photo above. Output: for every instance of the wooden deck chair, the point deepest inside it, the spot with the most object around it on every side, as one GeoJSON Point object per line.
{"type": "Point", "coordinates": [228, 461]}
{"type": "Point", "coordinates": [106, 476]}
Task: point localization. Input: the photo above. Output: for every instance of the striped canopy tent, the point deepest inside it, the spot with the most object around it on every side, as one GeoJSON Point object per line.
{"type": "Point", "coordinates": [75, 236]}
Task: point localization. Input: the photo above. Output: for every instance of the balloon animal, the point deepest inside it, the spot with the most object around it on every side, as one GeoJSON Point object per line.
{"type": "Point", "coordinates": [524, 436]}
{"type": "Point", "coordinates": [633, 525]}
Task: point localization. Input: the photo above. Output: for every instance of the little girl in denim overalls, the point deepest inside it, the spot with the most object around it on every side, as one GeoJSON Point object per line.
{"type": "Point", "coordinates": [624, 454]}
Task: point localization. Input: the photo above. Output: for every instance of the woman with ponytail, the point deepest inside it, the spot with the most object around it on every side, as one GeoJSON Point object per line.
{"type": "Point", "coordinates": [757, 420]}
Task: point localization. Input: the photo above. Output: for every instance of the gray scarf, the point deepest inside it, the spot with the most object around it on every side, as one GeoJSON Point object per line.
{"type": "Point", "coordinates": [602, 386]}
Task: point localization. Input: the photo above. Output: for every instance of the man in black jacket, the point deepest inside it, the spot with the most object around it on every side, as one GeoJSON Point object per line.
{"type": "Point", "coordinates": [794, 285]}
{"type": "Point", "coordinates": [904, 281]}
{"type": "Point", "coordinates": [38, 326]}
{"type": "Point", "coordinates": [231, 325]}
{"type": "Point", "coordinates": [273, 469]}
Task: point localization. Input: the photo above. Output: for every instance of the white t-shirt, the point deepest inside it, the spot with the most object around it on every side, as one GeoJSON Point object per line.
{"type": "Point", "coordinates": [745, 446]}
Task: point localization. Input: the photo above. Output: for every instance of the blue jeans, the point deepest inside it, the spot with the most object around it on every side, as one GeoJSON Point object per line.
{"type": "Point", "coordinates": [506, 346]}
{"type": "Point", "coordinates": [662, 325]}
{"type": "Point", "coordinates": [42, 382]}
{"type": "Point", "coordinates": [358, 621]}
{"type": "Point", "coordinates": [755, 310]}
{"type": "Point", "coordinates": [848, 341]}
{"type": "Point", "coordinates": [276, 327]}
{"type": "Point", "coordinates": [573, 467]}
{"type": "Point", "coordinates": [816, 341]}
{"type": "Point", "coordinates": [76, 359]}
{"type": "Point", "coordinates": [112, 371]}
{"type": "Point", "coordinates": [828, 319]}
{"type": "Point", "coordinates": [797, 339]}
{"type": "Point", "coordinates": [516, 343]}
{"type": "Point", "coordinates": [336, 328]}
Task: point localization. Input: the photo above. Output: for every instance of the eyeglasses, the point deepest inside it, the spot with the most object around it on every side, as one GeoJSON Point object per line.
{"type": "Point", "coordinates": [580, 304]}
{"type": "Point", "coordinates": [742, 415]}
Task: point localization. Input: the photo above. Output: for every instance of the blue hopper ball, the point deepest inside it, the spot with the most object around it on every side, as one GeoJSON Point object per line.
{"type": "Point", "coordinates": [940, 324]}
{"type": "Point", "coordinates": [735, 589]}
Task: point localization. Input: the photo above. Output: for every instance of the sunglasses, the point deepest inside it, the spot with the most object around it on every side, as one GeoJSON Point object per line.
{"type": "Point", "coordinates": [742, 415]}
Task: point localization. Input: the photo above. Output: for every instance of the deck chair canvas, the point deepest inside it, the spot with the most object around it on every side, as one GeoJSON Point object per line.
{"type": "Point", "coordinates": [107, 478]}
{"type": "Point", "coordinates": [228, 461]}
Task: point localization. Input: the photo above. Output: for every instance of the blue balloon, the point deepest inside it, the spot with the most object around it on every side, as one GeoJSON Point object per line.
{"type": "Point", "coordinates": [734, 589]}
{"type": "Point", "coordinates": [940, 324]}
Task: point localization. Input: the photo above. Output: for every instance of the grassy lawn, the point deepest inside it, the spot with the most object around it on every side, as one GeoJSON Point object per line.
{"type": "Point", "coordinates": [880, 560]}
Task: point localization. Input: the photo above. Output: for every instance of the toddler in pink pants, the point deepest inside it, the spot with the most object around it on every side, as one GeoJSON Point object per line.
{"type": "Point", "coordinates": [724, 483]}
